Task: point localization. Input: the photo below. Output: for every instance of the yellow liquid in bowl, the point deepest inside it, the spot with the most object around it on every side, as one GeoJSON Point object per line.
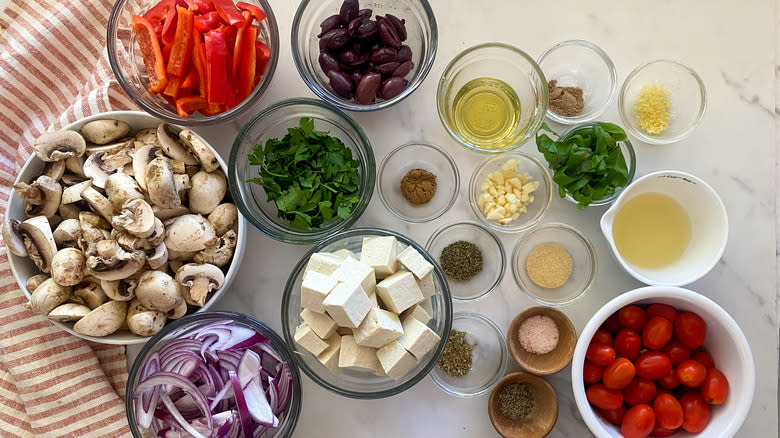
{"type": "Point", "coordinates": [485, 112]}
{"type": "Point", "coordinates": [651, 231]}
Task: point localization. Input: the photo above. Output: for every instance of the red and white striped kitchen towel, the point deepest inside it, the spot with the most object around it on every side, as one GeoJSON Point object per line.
{"type": "Point", "coordinates": [53, 71]}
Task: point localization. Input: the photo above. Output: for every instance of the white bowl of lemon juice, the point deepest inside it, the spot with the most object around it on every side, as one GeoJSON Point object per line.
{"type": "Point", "coordinates": [668, 228]}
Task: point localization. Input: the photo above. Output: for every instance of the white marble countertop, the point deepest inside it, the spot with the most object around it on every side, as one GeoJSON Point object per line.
{"type": "Point", "coordinates": [730, 44]}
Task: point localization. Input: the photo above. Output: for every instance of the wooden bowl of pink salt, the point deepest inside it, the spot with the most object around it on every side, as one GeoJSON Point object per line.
{"type": "Point", "coordinates": [541, 340]}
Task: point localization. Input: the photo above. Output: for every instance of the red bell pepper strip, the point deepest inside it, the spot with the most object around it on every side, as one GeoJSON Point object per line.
{"type": "Point", "coordinates": [181, 52]}
{"type": "Point", "coordinates": [158, 12]}
{"type": "Point", "coordinates": [217, 81]}
{"type": "Point", "coordinates": [246, 73]}
{"type": "Point", "coordinates": [228, 11]}
{"type": "Point", "coordinates": [169, 26]}
{"type": "Point", "coordinates": [263, 56]}
{"type": "Point", "coordinates": [173, 88]}
{"type": "Point", "coordinates": [189, 104]}
{"type": "Point", "coordinates": [150, 49]}
{"type": "Point", "coordinates": [213, 109]}
{"type": "Point", "coordinates": [239, 50]}
{"type": "Point", "coordinates": [208, 21]}
{"type": "Point", "coordinates": [191, 80]}
{"type": "Point", "coordinates": [199, 62]}
{"type": "Point", "coordinates": [258, 13]}
{"type": "Point", "coordinates": [200, 6]}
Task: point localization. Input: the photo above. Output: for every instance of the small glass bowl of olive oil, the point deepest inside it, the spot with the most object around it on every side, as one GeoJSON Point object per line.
{"type": "Point", "coordinates": [492, 97]}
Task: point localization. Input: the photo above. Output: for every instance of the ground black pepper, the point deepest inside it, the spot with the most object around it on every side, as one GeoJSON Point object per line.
{"type": "Point", "coordinates": [457, 356]}
{"type": "Point", "coordinates": [516, 401]}
{"type": "Point", "coordinates": [461, 260]}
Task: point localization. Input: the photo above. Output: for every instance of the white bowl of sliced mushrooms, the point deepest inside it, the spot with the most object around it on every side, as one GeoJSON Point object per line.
{"type": "Point", "coordinates": [119, 223]}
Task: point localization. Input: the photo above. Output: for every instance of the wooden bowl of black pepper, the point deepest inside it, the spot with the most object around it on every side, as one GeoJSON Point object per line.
{"type": "Point", "coordinates": [523, 406]}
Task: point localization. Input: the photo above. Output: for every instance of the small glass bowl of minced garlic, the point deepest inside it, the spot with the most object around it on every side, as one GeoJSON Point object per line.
{"type": "Point", "coordinates": [662, 101]}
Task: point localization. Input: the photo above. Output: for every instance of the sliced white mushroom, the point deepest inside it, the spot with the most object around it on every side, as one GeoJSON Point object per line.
{"type": "Point", "coordinates": [33, 282]}
{"type": "Point", "coordinates": [14, 242]}
{"type": "Point", "coordinates": [120, 290]}
{"type": "Point", "coordinates": [102, 321]}
{"type": "Point", "coordinates": [201, 279]}
{"type": "Point", "coordinates": [47, 296]}
{"type": "Point", "coordinates": [91, 293]}
{"type": "Point", "coordinates": [98, 203]}
{"type": "Point", "coordinates": [121, 187]}
{"type": "Point", "coordinates": [67, 233]}
{"type": "Point", "coordinates": [224, 218]}
{"type": "Point", "coordinates": [207, 191]}
{"type": "Point", "coordinates": [114, 263]}
{"type": "Point", "coordinates": [142, 321]}
{"type": "Point", "coordinates": [111, 148]}
{"type": "Point", "coordinates": [168, 213]}
{"type": "Point", "coordinates": [148, 136]}
{"type": "Point", "coordinates": [181, 256]}
{"type": "Point", "coordinates": [102, 164]}
{"type": "Point", "coordinates": [198, 148]}
{"type": "Point", "coordinates": [75, 165]}
{"type": "Point", "coordinates": [136, 217]}
{"type": "Point", "coordinates": [160, 184]}
{"type": "Point", "coordinates": [39, 242]}
{"type": "Point", "coordinates": [72, 193]}
{"type": "Point", "coordinates": [87, 217]}
{"type": "Point", "coordinates": [172, 145]}
{"type": "Point", "coordinates": [69, 211]}
{"type": "Point", "coordinates": [158, 258]}
{"type": "Point", "coordinates": [69, 312]}
{"type": "Point", "coordinates": [67, 267]}
{"type": "Point", "coordinates": [42, 197]}
{"type": "Point", "coordinates": [183, 185]}
{"type": "Point", "coordinates": [220, 252]}
{"type": "Point", "coordinates": [158, 233]}
{"type": "Point", "coordinates": [141, 159]}
{"type": "Point", "coordinates": [59, 145]}
{"type": "Point", "coordinates": [189, 232]}
{"type": "Point", "coordinates": [178, 311]}
{"type": "Point", "coordinates": [54, 170]}
{"type": "Point", "coordinates": [104, 131]}
{"type": "Point", "coordinates": [158, 291]}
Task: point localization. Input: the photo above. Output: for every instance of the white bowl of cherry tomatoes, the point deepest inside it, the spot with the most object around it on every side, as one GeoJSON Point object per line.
{"type": "Point", "coordinates": [661, 361]}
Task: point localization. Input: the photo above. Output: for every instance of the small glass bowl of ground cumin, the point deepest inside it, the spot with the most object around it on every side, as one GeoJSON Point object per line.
{"type": "Point", "coordinates": [472, 258]}
{"type": "Point", "coordinates": [484, 357]}
{"type": "Point", "coordinates": [581, 81]}
{"type": "Point", "coordinates": [418, 181]}
{"type": "Point", "coordinates": [554, 264]}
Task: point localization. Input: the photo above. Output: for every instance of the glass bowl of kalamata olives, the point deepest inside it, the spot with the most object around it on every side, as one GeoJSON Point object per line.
{"type": "Point", "coordinates": [364, 57]}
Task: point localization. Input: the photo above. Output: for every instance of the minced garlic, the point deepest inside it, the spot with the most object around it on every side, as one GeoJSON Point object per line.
{"type": "Point", "coordinates": [652, 108]}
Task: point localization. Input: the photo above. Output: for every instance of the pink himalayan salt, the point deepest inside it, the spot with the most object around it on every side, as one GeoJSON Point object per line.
{"type": "Point", "coordinates": [538, 334]}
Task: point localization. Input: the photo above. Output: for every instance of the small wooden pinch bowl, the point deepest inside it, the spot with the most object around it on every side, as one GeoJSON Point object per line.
{"type": "Point", "coordinates": [540, 421]}
{"type": "Point", "coordinates": [543, 364]}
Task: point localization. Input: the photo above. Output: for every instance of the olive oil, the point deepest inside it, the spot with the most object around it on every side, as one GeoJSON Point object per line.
{"type": "Point", "coordinates": [651, 230]}
{"type": "Point", "coordinates": [486, 112]}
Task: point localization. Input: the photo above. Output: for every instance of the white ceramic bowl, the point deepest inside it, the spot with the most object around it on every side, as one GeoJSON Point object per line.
{"type": "Point", "coordinates": [23, 268]}
{"type": "Point", "coordinates": [725, 342]}
{"type": "Point", "coordinates": [709, 227]}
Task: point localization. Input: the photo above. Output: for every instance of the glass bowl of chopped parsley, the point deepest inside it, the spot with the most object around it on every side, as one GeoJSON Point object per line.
{"type": "Point", "coordinates": [301, 170]}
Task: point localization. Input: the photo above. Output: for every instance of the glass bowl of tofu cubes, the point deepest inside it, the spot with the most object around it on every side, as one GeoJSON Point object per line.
{"type": "Point", "coordinates": [367, 313]}
{"type": "Point", "coordinates": [510, 192]}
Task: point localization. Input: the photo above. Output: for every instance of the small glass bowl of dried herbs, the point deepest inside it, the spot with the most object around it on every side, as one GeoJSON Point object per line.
{"type": "Point", "coordinates": [472, 258]}
{"type": "Point", "coordinates": [301, 170]}
{"type": "Point", "coordinates": [474, 358]}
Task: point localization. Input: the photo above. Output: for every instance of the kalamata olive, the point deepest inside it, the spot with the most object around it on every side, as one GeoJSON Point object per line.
{"type": "Point", "coordinates": [387, 68]}
{"type": "Point", "coordinates": [349, 10]}
{"type": "Point", "coordinates": [361, 59]}
{"type": "Point", "coordinates": [348, 56]}
{"type": "Point", "coordinates": [404, 54]}
{"type": "Point", "coordinates": [356, 77]}
{"type": "Point", "coordinates": [365, 13]}
{"type": "Point", "coordinates": [367, 88]}
{"type": "Point", "coordinates": [400, 25]}
{"type": "Point", "coordinates": [328, 62]}
{"type": "Point", "coordinates": [404, 69]}
{"type": "Point", "coordinates": [393, 87]}
{"type": "Point", "coordinates": [382, 55]}
{"type": "Point", "coordinates": [341, 84]}
{"type": "Point", "coordinates": [329, 24]}
{"type": "Point", "coordinates": [353, 25]}
{"type": "Point", "coordinates": [334, 39]}
{"type": "Point", "coordinates": [389, 34]}
{"type": "Point", "coordinates": [367, 30]}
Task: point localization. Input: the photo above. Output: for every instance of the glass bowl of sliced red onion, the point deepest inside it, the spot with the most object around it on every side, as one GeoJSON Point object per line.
{"type": "Point", "coordinates": [214, 374]}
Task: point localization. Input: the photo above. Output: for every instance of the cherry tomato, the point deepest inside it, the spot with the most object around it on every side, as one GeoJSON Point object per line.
{"type": "Point", "coordinates": [638, 422]}
{"type": "Point", "coordinates": [592, 373]}
{"type": "Point", "coordinates": [627, 344]}
{"type": "Point", "coordinates": [715, 387]}
{"type": "Point", "coordinates": [696, 412]}
{"type": "Point", "coordinates": [603, 397]}
{"type": "Point", "coordinates": [670, 380]}
{"type": "Point", "coordinates": [639, 391]}
{"type": "Point", "coordinates": [612, 324]}
{"type": "Point", "coordinates": [619, 373]}
{"type": "Point", "coordinates": [657, 332]}
{"type": "Point", "coordinates": [677, 352]}
{"type": "Point", "coordinates": [659, 431]}
{"type": "Point", "coordinates": [653, 365]}
{"type": "Point", "coordinates": [662, 310]}
{"type": "Point", "coordinates": [614, 416]}
{"type": "Point", "coordinates": [600, 354]}
{"type": "Point", "coordinates": [691, 373]}
{"type": "Point", "coordinates": [632, 317]}
{"type": "Point", "coordinates": [668, 411]}
{"type": "Point", "coordinates": [602, 336]}
{"type": "Point", "coordinates": [660, 391]}
{"type": "Point", "coordinates": [690, 329]}
{"type": "Point", "coordinates": [704, 358]}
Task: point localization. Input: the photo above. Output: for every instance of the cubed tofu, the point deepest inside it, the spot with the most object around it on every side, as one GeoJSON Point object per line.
{"type": "Point", "coordinates": [352, 271]}
{"type": "Point", "coordinates": [330, 356]}
{"type": "Point", "coordinates": [323, 262]}
{"type": "Point", "coordinates": [378, 328]}
{"type": "Point", "coordinates": [322, 324]}
{"type": "Point", "coordinates": [347, 304]}
{"type": "Point", "coordinates": [374, 300]}
{"type": "Point", "coordinates": [415, 262]}
{"type": "Point", "coordinates": [418, 338]}
{"type": "Point", "coordinates": [343, 254]}
{"type": "Point", "coordinates": [399, 291]}
{"type": "Point", "coordinates": [417, 312]}
{"type": "Point", "coordinates": [426, 285]}
{"type": "Point", "coordinates": [380, 253]}
{"type": "Point", "coordinates": [314, 288]}
{"type": "Point", "coordinates": [306, 338]}
{"type": "Point", "coordinates": [395, 360]}
{"type": "Point", "coordinates": [356, 357]}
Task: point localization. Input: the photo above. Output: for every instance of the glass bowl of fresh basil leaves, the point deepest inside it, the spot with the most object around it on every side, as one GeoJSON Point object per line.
{"type": "Point", "coordinates": [591, 162]}
{"type": "Point", "coordinates": [301, 170]}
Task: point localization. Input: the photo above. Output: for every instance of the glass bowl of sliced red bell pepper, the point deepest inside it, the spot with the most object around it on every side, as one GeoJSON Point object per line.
{"type": "Point", "coordinates": [193, 62]}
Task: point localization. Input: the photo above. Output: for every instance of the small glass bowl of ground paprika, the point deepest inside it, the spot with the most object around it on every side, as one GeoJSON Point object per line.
{"type": "Point", "coordinates": [418, 181]}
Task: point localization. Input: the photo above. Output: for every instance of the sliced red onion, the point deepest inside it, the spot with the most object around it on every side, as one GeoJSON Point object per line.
{"type": "Point", "coordinates": [243, 409]}
{"type": "Point", "coordinates": [180, 420]}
